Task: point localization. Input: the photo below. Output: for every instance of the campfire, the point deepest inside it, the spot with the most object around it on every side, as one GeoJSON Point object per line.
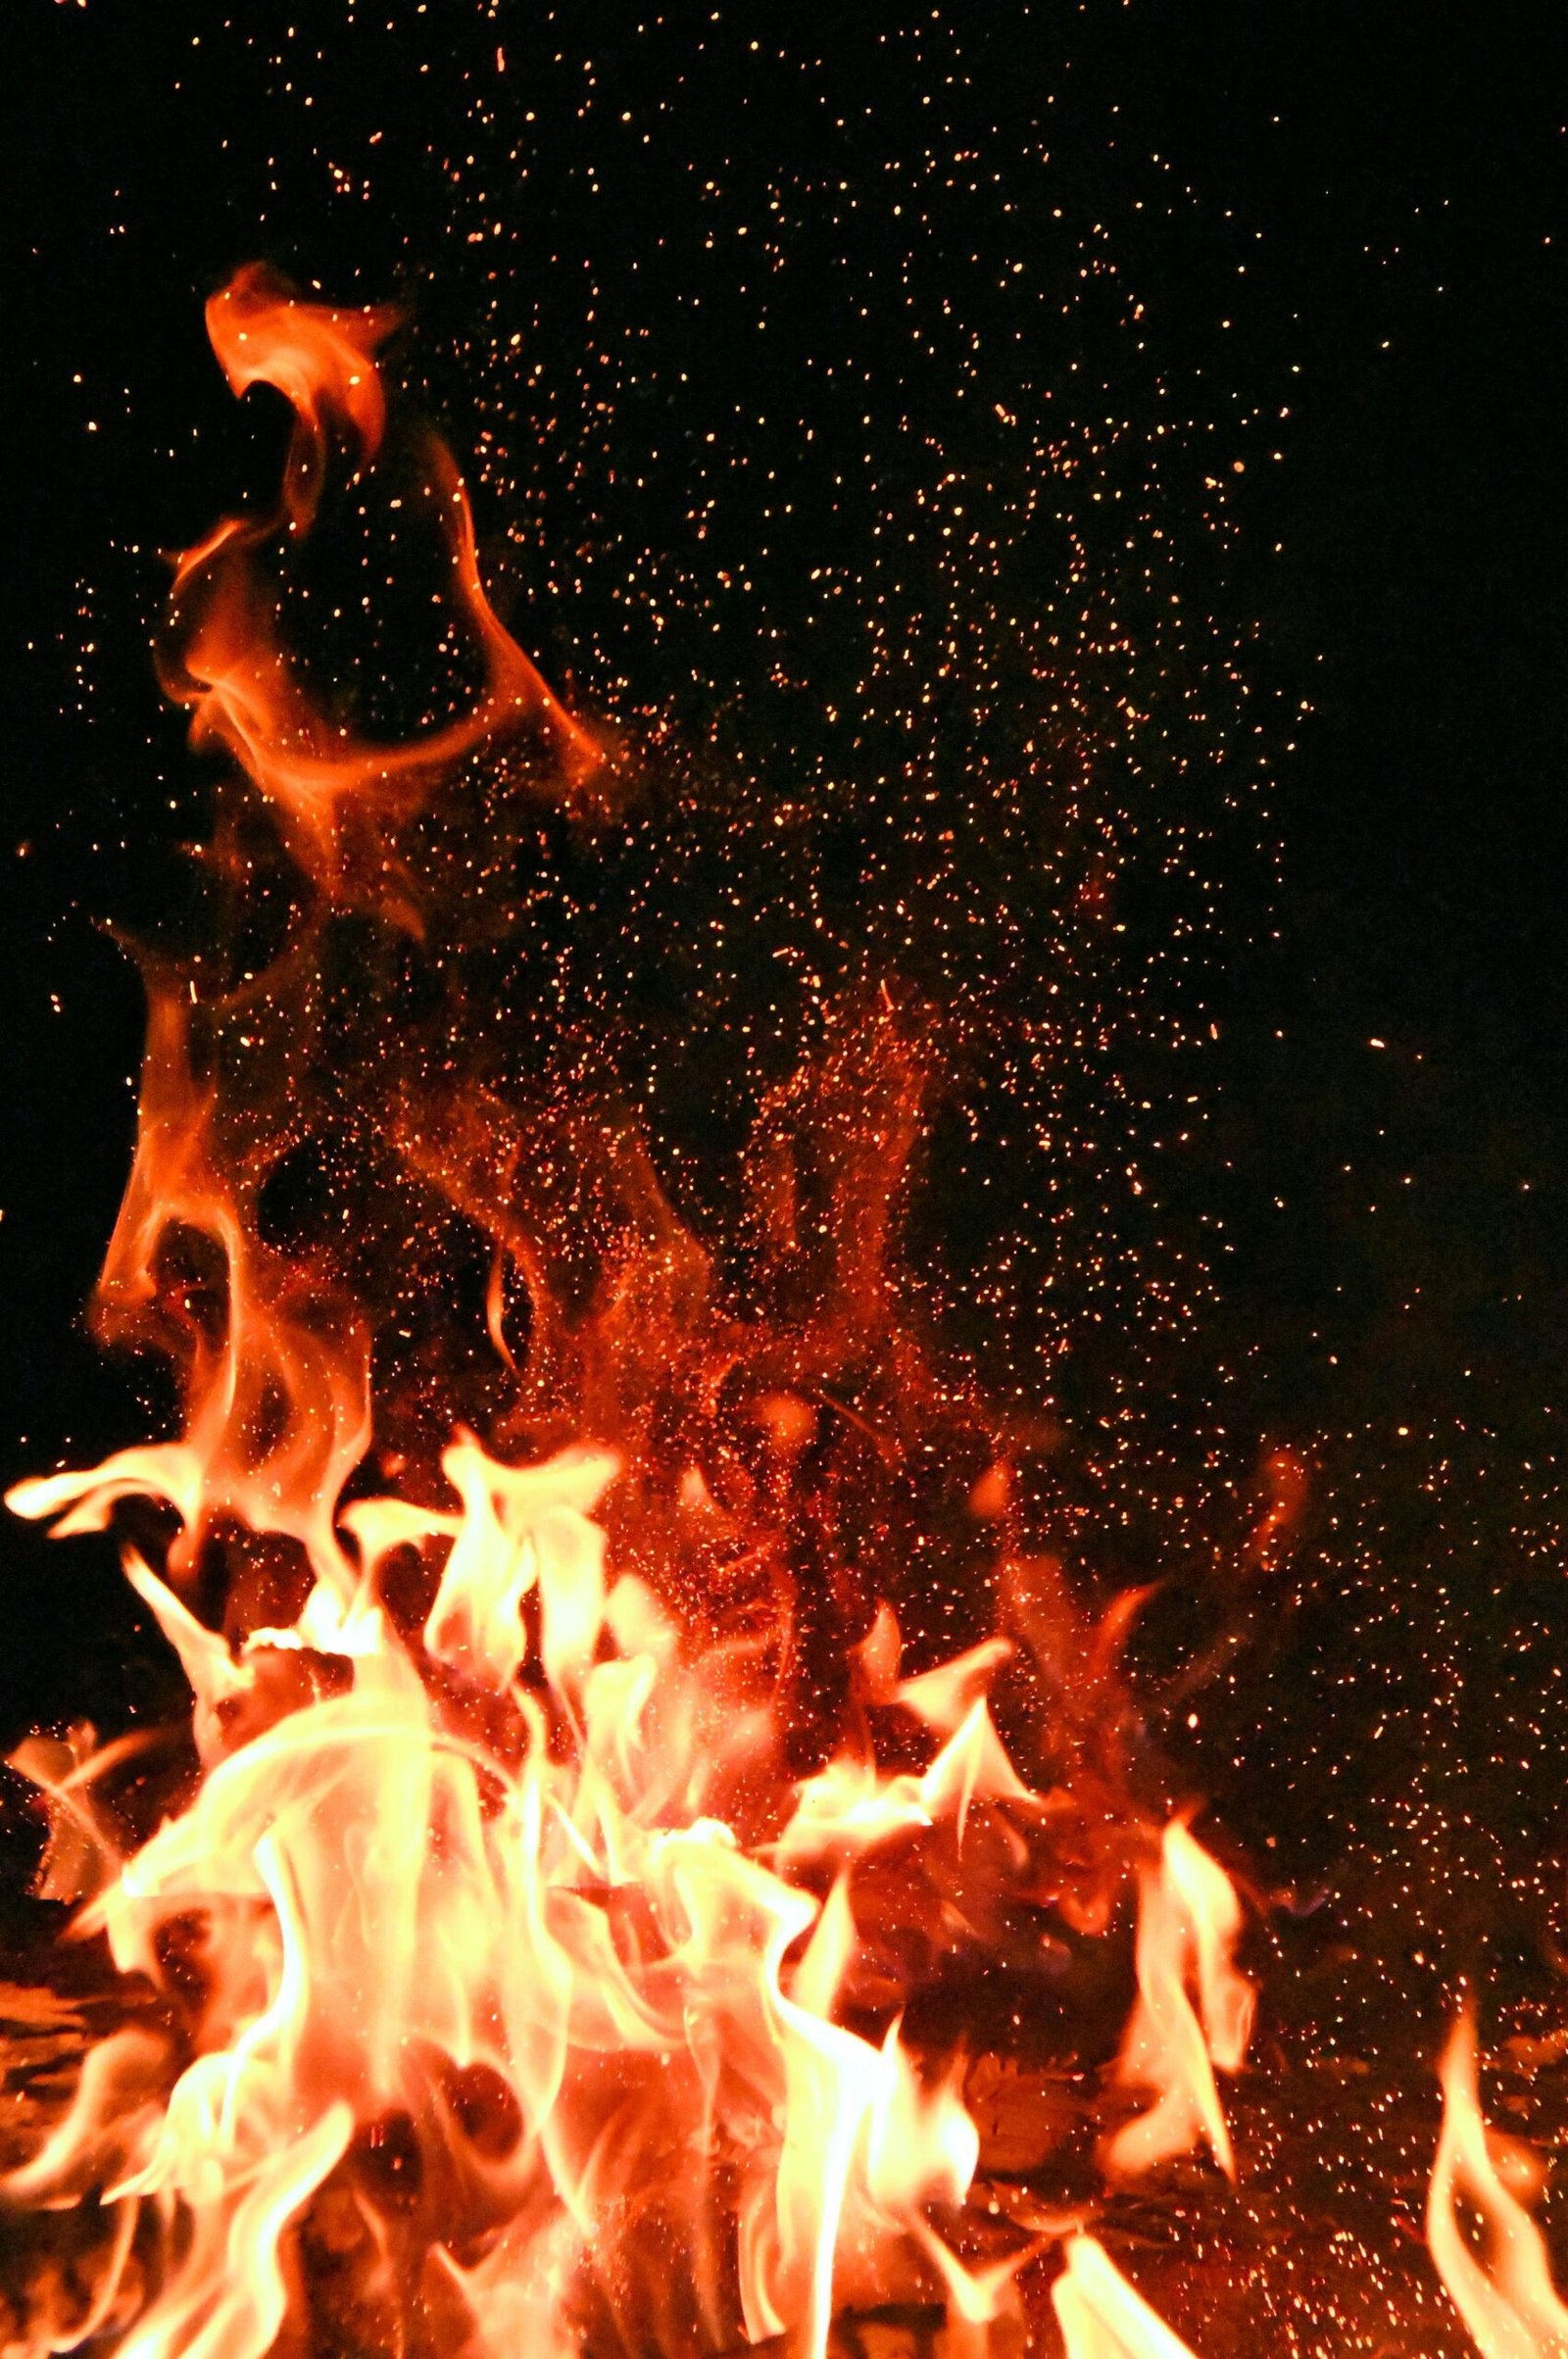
{"type": "Point", "coordinates": [655, 1864]}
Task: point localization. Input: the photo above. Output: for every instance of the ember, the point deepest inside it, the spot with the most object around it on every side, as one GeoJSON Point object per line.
{"type": "Point", "coordinates": [564, 1931]}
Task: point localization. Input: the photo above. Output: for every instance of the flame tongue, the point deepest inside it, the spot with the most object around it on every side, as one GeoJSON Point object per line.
{"type": "Point", "coordinates": [1099, 2314]}
{"type": "Point", "coordinates": [321, 359]}
{"type": "Point", "coordinates": [1504, 2291]}
{"type": "Point", "coordinates": [1187, 1924]}
{"type": "Point", "coordinates": [337, 799]}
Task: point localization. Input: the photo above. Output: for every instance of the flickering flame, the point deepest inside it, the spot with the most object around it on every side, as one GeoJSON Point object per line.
{"type": "Point", "coordinates": [1500, 2282]}
{"type": "Point", "coordinates": [1189, 1921]}
{"type": "Point", "coordinates": [1101, 2316]}
{"type": "Point", "coordinates": [333, 793]}
{"type": "Point", "coordinates": [517, 1961]}
{"type": "Point", "coordinates": [279, 1358]}
{"type": "Point", "coordinates": [546, 1952]}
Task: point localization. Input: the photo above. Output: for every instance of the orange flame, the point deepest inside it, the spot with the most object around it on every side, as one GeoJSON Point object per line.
{"type": "Point", "coordinates": [336, 796]}
{"type": "Point", "coordinates": [1189, 1922]}
{"type": "Point", "coordinates": [276, 1374]}
{"type": "Point", "coordinates": [1101, 2316]}
{"type": "Point", "coordinates": [1504, 2291]}
{"type": "Point", "coordinates": [393, 1907]}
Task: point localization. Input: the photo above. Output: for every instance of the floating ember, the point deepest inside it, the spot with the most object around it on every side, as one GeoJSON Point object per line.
{"type": "Point", "coordinates": [646, 1869]}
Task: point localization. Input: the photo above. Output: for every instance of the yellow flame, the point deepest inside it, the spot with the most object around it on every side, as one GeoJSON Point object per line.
{"type": "Point", "coordinates": [1504, 2292]}
{"type": "Point", "coordinates": [1101, 2316]}
{"type": "Point", "coordinates": [1189, 1922]}
{"type": "Point", "coordinates": [386, 1896]}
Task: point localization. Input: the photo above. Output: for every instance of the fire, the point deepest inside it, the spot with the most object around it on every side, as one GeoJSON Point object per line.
{"type": "Point", "coordinates": [1099, 2314]}
{"type": "Point", "coordinates": [334, 796]}
{"type": "Point", "coordinates": [1504, 2291]}
{"type": "Point", "coordinates": [531, 1959]}
{"type": "Point", "coordinates": [545, 1956]}
{"type": "Point", "coordinates": [1189, 1921]}
{"type": "Point", "coordinates": [509, 1932]}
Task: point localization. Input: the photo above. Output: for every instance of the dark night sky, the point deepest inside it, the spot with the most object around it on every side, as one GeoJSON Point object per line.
{"type": "Point", "coordinates": [1351, 212]}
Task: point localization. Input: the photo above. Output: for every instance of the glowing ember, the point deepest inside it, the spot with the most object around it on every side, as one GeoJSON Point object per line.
{"type": "Point", "coordinates": [538, 1955]}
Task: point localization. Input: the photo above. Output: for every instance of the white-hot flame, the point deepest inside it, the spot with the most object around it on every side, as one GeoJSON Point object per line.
{"type": "Point", "coordinates": [387, 1899]}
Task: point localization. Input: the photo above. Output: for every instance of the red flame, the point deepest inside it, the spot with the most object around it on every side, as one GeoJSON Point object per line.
{"type": "Point", "coordinates": [335, 794]}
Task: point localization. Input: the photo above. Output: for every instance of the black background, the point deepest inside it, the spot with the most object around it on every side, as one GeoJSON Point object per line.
{"type": "Point", "coordinates": [1391, 1297]}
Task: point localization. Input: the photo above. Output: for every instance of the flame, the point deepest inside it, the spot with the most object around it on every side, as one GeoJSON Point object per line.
{"type": "Point", "coordinates": [1101, 2316]}
{"type": "Point", "coordinates": [275, 1371]}
{"type": "Point", "coordinates": [396, 1908]}
{"type": "Point", "coordinates": [1503, 2289]}
{"type": "Point", "coordinates": [336, 796]}
{"type": "Point", "coordinates": [1189, 1921]}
